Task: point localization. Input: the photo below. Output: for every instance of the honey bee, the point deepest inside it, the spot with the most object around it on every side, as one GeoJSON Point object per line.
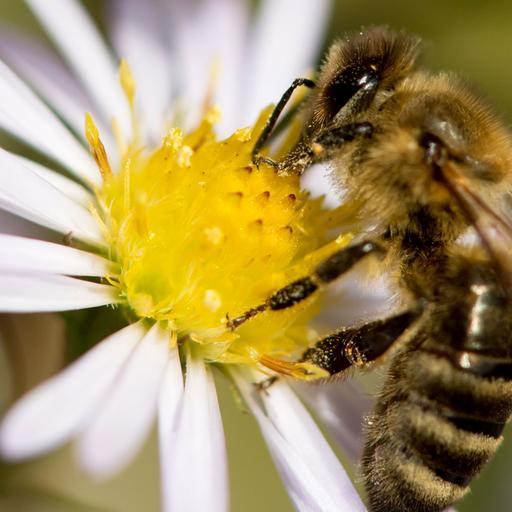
{"type": "Point", "coordinates": [427, 161]}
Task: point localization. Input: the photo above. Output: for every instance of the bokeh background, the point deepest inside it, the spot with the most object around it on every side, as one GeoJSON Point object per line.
{"type": "Point", "coordinates": [471, 37]}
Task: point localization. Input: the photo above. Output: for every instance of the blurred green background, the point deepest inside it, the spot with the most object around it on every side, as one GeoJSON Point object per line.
{"type": "Point", "coordinates": [471, 37]}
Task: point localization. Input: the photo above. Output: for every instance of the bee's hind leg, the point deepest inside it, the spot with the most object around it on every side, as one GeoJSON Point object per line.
{"type": "Point", "coordinates": [359, 346]}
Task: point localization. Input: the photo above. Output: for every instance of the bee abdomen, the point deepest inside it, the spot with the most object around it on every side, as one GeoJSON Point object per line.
{"type": "Point", "coordinates": [397, 479]}
{"type": "Point", "coordinates": [434, 428]}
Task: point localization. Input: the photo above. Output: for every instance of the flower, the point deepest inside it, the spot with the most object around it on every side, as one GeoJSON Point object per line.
{"type": "Point", "coordinates": [172, 227]}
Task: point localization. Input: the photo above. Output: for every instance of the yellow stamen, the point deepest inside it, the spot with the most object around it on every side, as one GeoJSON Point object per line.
{"type": "Point", "coordinates": [127, 81]}
{"type": "Point", "coordinates": [118, 135]}
{"type": "Point", "coordinates": [215, 69]}
{"type": "Point", "coordinates": [96, 146]}
{"type": "Point", "coordinates": [129, 89]}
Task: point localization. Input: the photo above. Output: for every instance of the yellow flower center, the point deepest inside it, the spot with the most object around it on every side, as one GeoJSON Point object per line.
{"type": "Point", "coordinates": [200, 233]}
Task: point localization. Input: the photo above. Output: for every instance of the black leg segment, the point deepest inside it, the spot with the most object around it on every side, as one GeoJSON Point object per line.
{"type": "Point", "coordinates": [333, 138]}
{"type": "Point", "coordinates": [262, 139]}
{"type": "Point", "coordinates": [344, 259]}
{"type": "Point", "coordinates": [320, 148]}
{"type": "Point", "coordinates": [359, 346]}
{"type": "Point", "coordinates": [326, 271]}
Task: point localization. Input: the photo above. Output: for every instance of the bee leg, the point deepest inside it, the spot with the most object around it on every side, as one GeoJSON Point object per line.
{"type": "Point", "coordinates": [326, 271]}
{"type": "Point", "coordinates": [269, 126]}
{"type": "Point", "coordinates": [321, 148]}
{"type": "Point", "coordinates": [332, 139]}
{"type": "Point", "coordinates": [361, 345]}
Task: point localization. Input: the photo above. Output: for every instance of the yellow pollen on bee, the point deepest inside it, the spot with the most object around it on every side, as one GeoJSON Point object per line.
{"type": "Point", "coordinates": [318, 149]}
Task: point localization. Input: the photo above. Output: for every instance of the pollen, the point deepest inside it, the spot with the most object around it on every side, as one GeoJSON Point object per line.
{"type": "Point", "coordinates": [212, 300]}
{"type": "Point", "coordinates": [201, 234]}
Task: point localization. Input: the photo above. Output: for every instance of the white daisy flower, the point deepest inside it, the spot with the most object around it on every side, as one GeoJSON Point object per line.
{"type": "Point", "coordinates": [171, 226]}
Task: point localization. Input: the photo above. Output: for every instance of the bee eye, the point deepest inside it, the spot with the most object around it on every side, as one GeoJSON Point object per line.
{"type": "Point", "coordinates": [351, 80]}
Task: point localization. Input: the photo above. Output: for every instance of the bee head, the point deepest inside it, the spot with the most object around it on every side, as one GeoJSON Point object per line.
{"type": "Point", "coordinates": [358, 69]}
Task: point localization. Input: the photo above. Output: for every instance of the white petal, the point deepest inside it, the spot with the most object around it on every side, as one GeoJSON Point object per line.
{"type": "Point", "coordinates": [26, 194]}
{"type": "Point", "coordinates": [317, 180]}
{"type": "Point", "coordinates": [52, 413]}
{"type": "Point", "coordinates": [315, 480]}
{"type": "Point", "coordinates": [171, 396]}
{"type": "Point", "coordinates": [14, 225]}
{"type": "Point", "coordinates": [78, 193]}
{"type": "Point", "coordinates": [231, 19]}
{"type": "Point", "coordinates": [342, 407]}
{"type": "Point", "coordinates": [50, 78]}
{"type": "Point", "coordinates": [37, 292]}
{"type": "Point", "coordinates": [80, 43]}
{"type": "Point", "coordinates": [124, 418]}
{"type": "Point", "coordinates": [223, 24]}
{"type": "Point", "coordinates": [25, 116]}
{"type": "Point", "coordinates": [198, 468]}
{"type": "Point", "coordinates": [138, 37]}
{"type": "Point", "coordinates": [282, 49]}
{"type": "Point", "coordinates": [294, 422]}
{"type": "Point", "coordinates": [194, 63]}
{"type": "Point", "coordinates": [25, 254]}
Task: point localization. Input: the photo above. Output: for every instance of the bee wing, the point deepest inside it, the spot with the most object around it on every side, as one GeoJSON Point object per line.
{"type": "Point", "coordinates": [492, 226]}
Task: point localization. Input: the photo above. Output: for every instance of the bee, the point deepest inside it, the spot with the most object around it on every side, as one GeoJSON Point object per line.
{"type": "Point", "coordinates": [428, 162]}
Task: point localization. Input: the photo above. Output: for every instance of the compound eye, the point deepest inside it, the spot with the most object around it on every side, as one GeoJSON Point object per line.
{"type": "Point", "coordinates": [347, 83]}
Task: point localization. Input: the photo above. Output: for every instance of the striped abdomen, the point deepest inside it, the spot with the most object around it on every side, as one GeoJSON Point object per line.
{"type": "Point", "coordinates": [433, 429]}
